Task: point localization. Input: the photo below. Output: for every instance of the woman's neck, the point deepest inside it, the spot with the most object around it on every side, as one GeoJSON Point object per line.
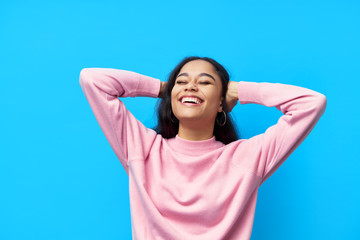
{"type": "Point", "coordinates": [195, 132]}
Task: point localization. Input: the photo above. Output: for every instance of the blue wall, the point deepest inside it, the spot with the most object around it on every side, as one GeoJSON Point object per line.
{"type": "Point", "coordinates": [60, 179]}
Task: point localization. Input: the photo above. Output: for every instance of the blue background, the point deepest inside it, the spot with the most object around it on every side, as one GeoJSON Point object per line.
{"type": "Point", "coordinates": [60, 179]}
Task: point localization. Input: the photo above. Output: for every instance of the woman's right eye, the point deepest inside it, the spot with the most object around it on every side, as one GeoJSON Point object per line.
{"type": "Point", "coordinates": [180, 81]}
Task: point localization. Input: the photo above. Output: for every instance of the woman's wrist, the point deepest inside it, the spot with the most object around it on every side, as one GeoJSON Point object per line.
{"type": "Point", "coordinates": [162, 89]}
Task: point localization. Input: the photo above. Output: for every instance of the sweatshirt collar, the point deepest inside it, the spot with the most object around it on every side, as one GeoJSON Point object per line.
{"type": "Point", "coordinates": [194, 148]}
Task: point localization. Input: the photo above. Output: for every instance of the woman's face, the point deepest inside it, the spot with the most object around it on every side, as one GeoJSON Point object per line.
{"type": "Point", "coordinates": [196, 94]}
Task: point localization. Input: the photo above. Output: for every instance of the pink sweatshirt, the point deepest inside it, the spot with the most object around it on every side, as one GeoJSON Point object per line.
{"type": "Point", "coordinates": [196, 190]}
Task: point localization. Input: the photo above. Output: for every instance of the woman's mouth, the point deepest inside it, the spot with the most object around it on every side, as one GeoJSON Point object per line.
{"type": "Point", "coordinates": [191, 100]}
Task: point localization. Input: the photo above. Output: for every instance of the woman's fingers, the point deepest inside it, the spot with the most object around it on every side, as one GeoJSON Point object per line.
{"type": "Point", "coordinates": [232, 95]}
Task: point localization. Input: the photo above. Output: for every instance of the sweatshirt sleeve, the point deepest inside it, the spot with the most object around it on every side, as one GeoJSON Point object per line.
{"type": "Point", "coordinates": [302, 108]}
{"type": "Point", "coordinates": [128, 137]}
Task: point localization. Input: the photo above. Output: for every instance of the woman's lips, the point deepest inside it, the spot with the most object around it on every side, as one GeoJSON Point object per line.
{"type": "Point", "coordinates": [190, 104]}
{"type": "Point", "coordinates": [190, 99]}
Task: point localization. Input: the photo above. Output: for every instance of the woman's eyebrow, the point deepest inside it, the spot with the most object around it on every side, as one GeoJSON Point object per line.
{"type": "Point", "coordinates": [200, 74]}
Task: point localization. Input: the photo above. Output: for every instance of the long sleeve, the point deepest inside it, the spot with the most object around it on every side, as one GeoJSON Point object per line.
{"type": "Point", "coordinates": [128, 137]}
{"type": "Point", "coordinates": [302, 108]}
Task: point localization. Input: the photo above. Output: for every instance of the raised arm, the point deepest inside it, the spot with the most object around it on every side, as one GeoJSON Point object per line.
{"type": "Point", "coordinates": [128, 137]}
{"type": "Point", "coordinates": [302, 108]}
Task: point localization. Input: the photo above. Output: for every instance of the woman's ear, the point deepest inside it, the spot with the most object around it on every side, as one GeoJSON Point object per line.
{"type": "Point", "coordinates": [221, 104]}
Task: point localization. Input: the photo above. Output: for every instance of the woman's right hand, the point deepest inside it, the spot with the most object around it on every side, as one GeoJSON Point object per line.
{"type": "Point", "coordinates": [162, 89]}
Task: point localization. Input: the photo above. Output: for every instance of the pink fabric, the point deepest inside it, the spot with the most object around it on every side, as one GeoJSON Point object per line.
{"type": "Point", "coordinates": [203, 190]}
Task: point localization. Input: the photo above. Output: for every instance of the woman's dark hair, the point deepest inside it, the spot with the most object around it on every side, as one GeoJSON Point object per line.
{"type": "Point", "coordinates": [168, 125]}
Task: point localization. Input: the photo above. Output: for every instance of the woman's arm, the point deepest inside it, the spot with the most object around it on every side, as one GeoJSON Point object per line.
{"type": "Point", "coordinates": [128, 137]}
{"type": "Point", "coordinates": [302, 108]}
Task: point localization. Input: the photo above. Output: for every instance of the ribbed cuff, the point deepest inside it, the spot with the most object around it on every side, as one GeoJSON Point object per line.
{"type": "Point", "coordinates": [148, 86]}
{"type": "Point", "coordinates": [248, 92]}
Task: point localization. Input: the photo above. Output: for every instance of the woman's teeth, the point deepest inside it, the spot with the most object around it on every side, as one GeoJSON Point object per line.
{"type": "Point", "coordinates": [190, 100]}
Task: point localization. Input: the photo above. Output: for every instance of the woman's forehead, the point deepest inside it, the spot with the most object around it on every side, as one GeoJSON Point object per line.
{"type": "Point", "coordinates": [198, 66]}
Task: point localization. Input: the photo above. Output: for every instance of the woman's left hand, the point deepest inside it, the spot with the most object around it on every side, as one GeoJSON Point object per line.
{"type": "Point", "coordinates": [231, 95]}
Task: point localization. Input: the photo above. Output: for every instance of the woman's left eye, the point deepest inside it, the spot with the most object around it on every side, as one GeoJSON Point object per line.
{"type": "Point", "coordinates": [205, 82]}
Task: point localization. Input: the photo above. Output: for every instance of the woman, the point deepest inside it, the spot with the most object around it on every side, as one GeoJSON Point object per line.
{"type": "Point", "coordinates": [192, 179]}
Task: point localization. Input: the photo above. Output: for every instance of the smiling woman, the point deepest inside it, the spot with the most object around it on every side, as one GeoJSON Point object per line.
{"type": "Point", "coordinates": [204, 79]}
{"type": "Point", "coordinates": [192, 178]}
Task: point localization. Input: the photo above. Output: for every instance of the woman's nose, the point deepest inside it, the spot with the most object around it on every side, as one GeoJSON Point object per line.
{"type": "Point", "coordinates": [191, 86]}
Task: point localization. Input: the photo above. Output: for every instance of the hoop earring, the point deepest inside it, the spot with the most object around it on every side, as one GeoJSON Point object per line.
{"type": "Point", "coordinates": [217, 119]}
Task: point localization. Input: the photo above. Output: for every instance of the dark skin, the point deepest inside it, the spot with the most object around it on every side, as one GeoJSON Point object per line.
{"type": "Point", "coordinates": [199, 81]}
{"type": "Point", "coordinates": [231, 94]}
